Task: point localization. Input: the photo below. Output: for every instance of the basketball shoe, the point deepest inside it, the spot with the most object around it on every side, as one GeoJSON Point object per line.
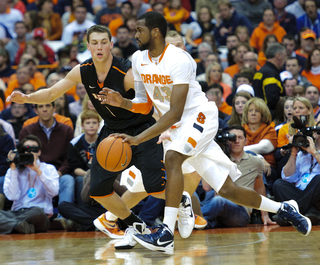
{"type": "Point", "coordinates": [128, 242]}
{"type": "Point", "coordinates": [186, 217]}
{"type": "Point", "coordinates": [289, 211]}
{"type": "Point", "coordinates": [110, 228]}
{"type": "Point", "coordinates": [200, 222]}
{"type": "Point", "coordinates": [162, 240]}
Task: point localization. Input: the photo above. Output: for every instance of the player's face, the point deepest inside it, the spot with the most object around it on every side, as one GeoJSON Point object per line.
{"type": "Point", "coordinates": [99, 45]}
{"type": "Point", "coordinates": [143, 35]}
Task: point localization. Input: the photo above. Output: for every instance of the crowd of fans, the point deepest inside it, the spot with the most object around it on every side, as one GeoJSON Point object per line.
{"type": "Point", "coordinates": [258, 60]}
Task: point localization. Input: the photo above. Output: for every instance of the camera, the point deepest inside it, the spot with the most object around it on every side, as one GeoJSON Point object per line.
{"type": "Point", "coordinates": [22, 159]}
{"type": "Point", "coordinates": [301, 138]}
{"type": "Point", "coordinates": [222, 139]}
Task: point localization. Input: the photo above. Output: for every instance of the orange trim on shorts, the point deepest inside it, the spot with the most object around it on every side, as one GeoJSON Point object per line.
{"type": "Point", "coordinates": [157, 192]}
{"type": "Point", "coordinates": [104, 196]}
{"type": "Point", "coordinates": [174, 127]}
{"type": "Point", "coordinates": [131, 174]}
{"type": "Point", "coordinates": [192, 142]}
{"type": "Point", "coordinates": [119, 70]}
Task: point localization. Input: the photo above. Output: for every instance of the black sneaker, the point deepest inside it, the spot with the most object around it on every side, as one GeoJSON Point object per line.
{"type": "Point", "coordinates": [289, 211]}
{"type": "Point", "coordinates": [162, 240]}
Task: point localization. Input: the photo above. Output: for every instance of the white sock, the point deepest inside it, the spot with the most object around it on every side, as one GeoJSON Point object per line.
{"type": "Point", "coordinates": [170, 217]}
{"type": "Point", "coordinates": [110, 216]}
{"type": "Point", "coordinates": [269, 205]}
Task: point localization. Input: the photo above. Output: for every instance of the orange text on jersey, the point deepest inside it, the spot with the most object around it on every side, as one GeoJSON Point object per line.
{"type": "Point", "coordinates": [156, 79]}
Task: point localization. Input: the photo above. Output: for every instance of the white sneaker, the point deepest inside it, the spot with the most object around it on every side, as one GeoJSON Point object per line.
{"type": "Point", "coordinates": [128, 242]}
{"type": "Point", "coordinates": [186, 217]}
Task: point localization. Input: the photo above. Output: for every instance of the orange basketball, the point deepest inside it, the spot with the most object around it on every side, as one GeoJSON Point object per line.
{"type": "Point", "coordinates": [113, 154]}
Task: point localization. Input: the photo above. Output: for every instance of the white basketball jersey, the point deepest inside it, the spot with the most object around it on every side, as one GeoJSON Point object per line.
{"type": "Point", "coordinates": [173, 67]}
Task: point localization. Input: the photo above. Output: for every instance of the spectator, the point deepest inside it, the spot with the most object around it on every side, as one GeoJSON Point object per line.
{"type": "Point", "coordinates": [296, 8]}
{"type": "Point", "coordinates": [312, 94]}
{"type": "Point", "coordinates": [62, 108]}
{"type": "Point", "coordinates": [32, 205]}
{"type": "Point", "coordinates": [289, 43]}
{"type": "Point", "coordinates": [126, 12]}
{"type": "Point", "coordinates": [76, 106]}
{"type": "Point", "coordinates": [311, 71]}
{"type": "Point", "coordinates": [124, 42]}
{"type": "Point", "coordinates": [300, 180]}
{"type": "Point", "coordinates": [220, 212]}
{"type": "Point", "coordinates": [269, 25]}
{"type": "Point", "coordinates": [239, 101]}
{"type": "Point", "coordinates": [287, 20]}
{"type": "Point", "coordinates": [293, 66]}
{"type": "Point", "coordinates": [19, 41]}
{"type": "Point", "coordinates": [307, 43]}
{"type": "Point", "coordinates": [271, 38]}
{"type": "Point", "coordinates": [8, 129]}
{"type": "Point", "coordinates": [284, 112]}
{"type": "Point", "coordinates": [232, 42]}
{"type": "Point", "coordinates": [5, 67]}
{"type": "Point", "coordinates": [55, 138]}
{"type": "Point", "coordinates": [241, 49]}
{"type": "Point", "coordinates": [7, 144]}
{"type": "Point", "coordinates": [230, 20]}
{"type": "Point", "coordinates": [289, 84]}
{"type": "Point", "coordinates": [261, 136]}
{"type": "Point", "coordinates": [203, 51]}
{"type": "Point", "coordinates": [310, 19]}
{"type": "Point", "coordinates": [214, 75]}
{"type": "Point", "coordinates": [107, 14]}
{"type": "Point", "coordinates": [298, 91]}
{"type": "Point", "coordinates": [50, 21]}
{"type": "Point", "coordinates": [9, 16]}
{"type": "Point", "coordinates": [175, 14]}
{"type": "Point", "coordinates": [250, 60]}
{"type": "Point", "coordinates": [75, 32]}
{"type": "Point", "coordinates": [243, 34]}
{"type": "Point", "coordinates": [270, 91]}
{"type": "Point", "coordinates": [116, 52]}
{"type": "Point", "coordinates": [139, 7]}
{"type": "Point", "coordinates": [214, 93]}
{"type": "Point", "coordinates": [69, 16]}
{"type": "Point", "coordinates": [252, 9]}
{"type": "Point", "coordinates": [212, 4]}
{"type": "Point", "coordinates": [31, 20]}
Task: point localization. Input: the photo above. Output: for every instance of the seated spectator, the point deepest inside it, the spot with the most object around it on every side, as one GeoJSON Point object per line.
{"type": "Point", "coordinates": [287, 20]}
{"type": "Point", "coordinates": [307, 42]}
{"type": "Point", "coordinates": [7, 144]}
{"type": "Point", "coordinates": [32, 205]}
{"type": "Point", "coordinates": [124, 42]}
{"type": "Point", "coordinates": [62, 108]}
{"type": "Point", "coordinates": [293, 66]}
{"type": "Point", "coordinates": [31, 21]}
{"type": "Point", "coordinates": [284, 112]}
{"type": "Point", "coordinates": [214, 75]}
{"type": "Point", "coordinates": [312, 69]}
{"type": "Point", "coordinates": [5, 67]}
{"type": "Point", "coordinates": [312, 94]}
{"type": "Point", "coordinates": [55, 138]}
{"type": "Point", "coordinates": [108, 13]}
{"type": "Point", "coordinates": [271, 38]}
{"type": "Point", "coordinates": [204, 49]}
{"type": "Point", "coordinates": [241, 49]}
{"type": "Point", "coordinates": [175, 14]}
{"type": "Point", "coordinates": [76, 106]}
{"type": "Point", "coordinates": [261, 136]}
{"type": "Point", "coordinates": [311, 18]}
{"type": "Point", "coordinates": [209, 38]}
{"type": "Point", "coordinates": [289, 85]}
{"type": "Point", "coordinates": [269, 25]}
{"type": "Point", "coordinates": [139, 7]}
{"type": "Point", "coordinates": [232, 42]}
{"type": "Point", "coordinates": [214, 93]}
{"type": "Point", "coordinates": [296, 8]}
{"type": "Point", "coordinates": [298, 91]}
{"type": "Point", "coordinates": [239, 101]}
{"type": "Point", "coordinates": [230, 20]}
{"type": "Point", "coordinates": [23, 77]}
{"type": "Point", "coordinates": [250, 60]}
{"type": "Point", "coordinates": [243, 34]}
{"type": "Point", "coordinates": [220, 212]}
{"type": "Point", "coordinates": [8, 129]}
{"type": "Point", "coordinates": [289, 43]}
{"type": "Point", "coordinates": [9, 16]}
{"type": "Point", "coordinates": [300, 180]}
{"type": "Point", "coordinates": [126, 12]}
{"type": "Point", "coordinates": [49, 20]}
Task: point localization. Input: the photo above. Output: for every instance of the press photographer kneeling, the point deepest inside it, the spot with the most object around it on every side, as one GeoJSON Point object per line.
{"type": "Point", "coordinates": [31, 185]}
{"type": "Point", "coordinates": [301, 174]}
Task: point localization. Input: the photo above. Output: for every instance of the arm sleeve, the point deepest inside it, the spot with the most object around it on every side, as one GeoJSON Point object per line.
{"type": "Point", "coordinates": [11, 185]}
{"type": "Point", "coordinates": [50, 179]}
{"type": "Point", "coordinates": [263, 147]}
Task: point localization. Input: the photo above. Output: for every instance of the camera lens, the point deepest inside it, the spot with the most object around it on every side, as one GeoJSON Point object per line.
{"type": "Point", "coordinates": [301, 140]}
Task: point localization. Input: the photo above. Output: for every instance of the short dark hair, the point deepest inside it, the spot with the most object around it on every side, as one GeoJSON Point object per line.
{"type": "Point", "coordinates": [238, 127]}
{"type": "Point", "coordinates": [98, 29]}
{"type": "Point", "coordinates": [155, 20]}
{"type": "Point", "coordinates": [29, 137]}
{"type": "Point", "coordinates": [288, 37]}
{"type": "Point", "coordinates": [123, 27]}
{"type": "Point", "coordinates": [294, 58]}
{"type": "Point", "coordinates": [216, 85]}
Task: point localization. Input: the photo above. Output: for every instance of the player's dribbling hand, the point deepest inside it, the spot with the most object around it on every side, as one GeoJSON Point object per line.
{"type": "Point", "coordinates": [132, 140]}
{"type": "Point", "coordinates": [110, 97]}
{"type": "Point", "coordinates": [17, 97]}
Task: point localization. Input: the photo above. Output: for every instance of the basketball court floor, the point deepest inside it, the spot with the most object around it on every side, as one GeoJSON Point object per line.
{"type": "Point", "coordinates": [255, 244]}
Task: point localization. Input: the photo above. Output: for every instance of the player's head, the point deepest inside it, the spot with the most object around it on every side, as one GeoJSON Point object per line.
{"type": "Point", "coordinates": [150, 25]}
{"type": "Point", "coordinates": [98, 29]}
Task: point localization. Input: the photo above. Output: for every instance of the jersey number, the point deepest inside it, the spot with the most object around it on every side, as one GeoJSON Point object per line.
{"type": "Point", "coordinates": [157, 93]}
{"type": "Point", "coordinates": [201, 118]}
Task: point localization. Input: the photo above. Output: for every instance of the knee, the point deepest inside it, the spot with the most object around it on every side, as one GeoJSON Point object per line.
{"type": "Point", "coordinates": [66, 181]}
{"type": "Point", "coordinates": [173, 160]}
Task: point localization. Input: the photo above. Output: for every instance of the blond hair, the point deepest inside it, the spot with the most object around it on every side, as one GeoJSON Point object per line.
{"type": "Point", "coordinates": [261, 106]}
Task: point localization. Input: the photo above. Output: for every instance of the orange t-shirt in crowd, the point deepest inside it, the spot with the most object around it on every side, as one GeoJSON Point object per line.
{"type": "Point", "coordinates": [262, 59]}
{"type": "Point", "coordinates": [225, 108]}
{"type": "Point", "coordinates": [14, 84]}
{"type": "Point", "coordinates": [226, 90]}
{"type": "Point", "coordinates": [58, 117]}
{"type": "Point", "coordinates": [114, 25]}
{"type": "Point", "coordinates": [301, 53]}
{"type": "Point", "coordinates": [314, 79]}
{"type": "Point", "coordinates": [232, 70]}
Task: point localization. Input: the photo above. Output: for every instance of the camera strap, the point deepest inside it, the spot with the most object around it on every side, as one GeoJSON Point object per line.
{"type": "Point", "coordinates": [312, 165]}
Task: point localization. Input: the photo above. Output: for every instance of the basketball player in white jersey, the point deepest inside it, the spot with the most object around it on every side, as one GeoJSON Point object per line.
{"type": "Point", "coordinates": [165, 75]}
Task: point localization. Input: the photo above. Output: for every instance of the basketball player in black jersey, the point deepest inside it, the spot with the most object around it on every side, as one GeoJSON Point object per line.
{"type": "Point", "coordinates": [105, 70]}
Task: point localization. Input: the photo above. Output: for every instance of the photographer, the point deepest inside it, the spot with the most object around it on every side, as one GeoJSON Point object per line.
{"type": "Point", "coordinates": [301, 180]}
{"type": "Point", "coordinates": [31, 185]}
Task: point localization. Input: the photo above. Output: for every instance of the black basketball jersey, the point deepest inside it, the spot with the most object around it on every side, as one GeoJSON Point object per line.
{"type": "Point", "coordinates": [114, 117]}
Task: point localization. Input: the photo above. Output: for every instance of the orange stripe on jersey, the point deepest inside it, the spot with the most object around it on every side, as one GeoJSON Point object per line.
{"type": "Point", "coordinates": [86, 64]}
{"type": "Point", "coordinates": [192, 142]}
{"type": "Point", "coordinates": [100, 84]}
{"type": "Point", "coordinates": [131, 174]}
{"type": "Point", "coordinates": [143, 108]}
{"type": "Point", "coordinates": [118, 70]}
{"type": "Point", "coordinates": [163, 52]}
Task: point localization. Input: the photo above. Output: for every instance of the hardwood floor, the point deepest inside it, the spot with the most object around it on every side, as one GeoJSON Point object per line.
{"type": "Point", "coordinates": [255, 244]}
